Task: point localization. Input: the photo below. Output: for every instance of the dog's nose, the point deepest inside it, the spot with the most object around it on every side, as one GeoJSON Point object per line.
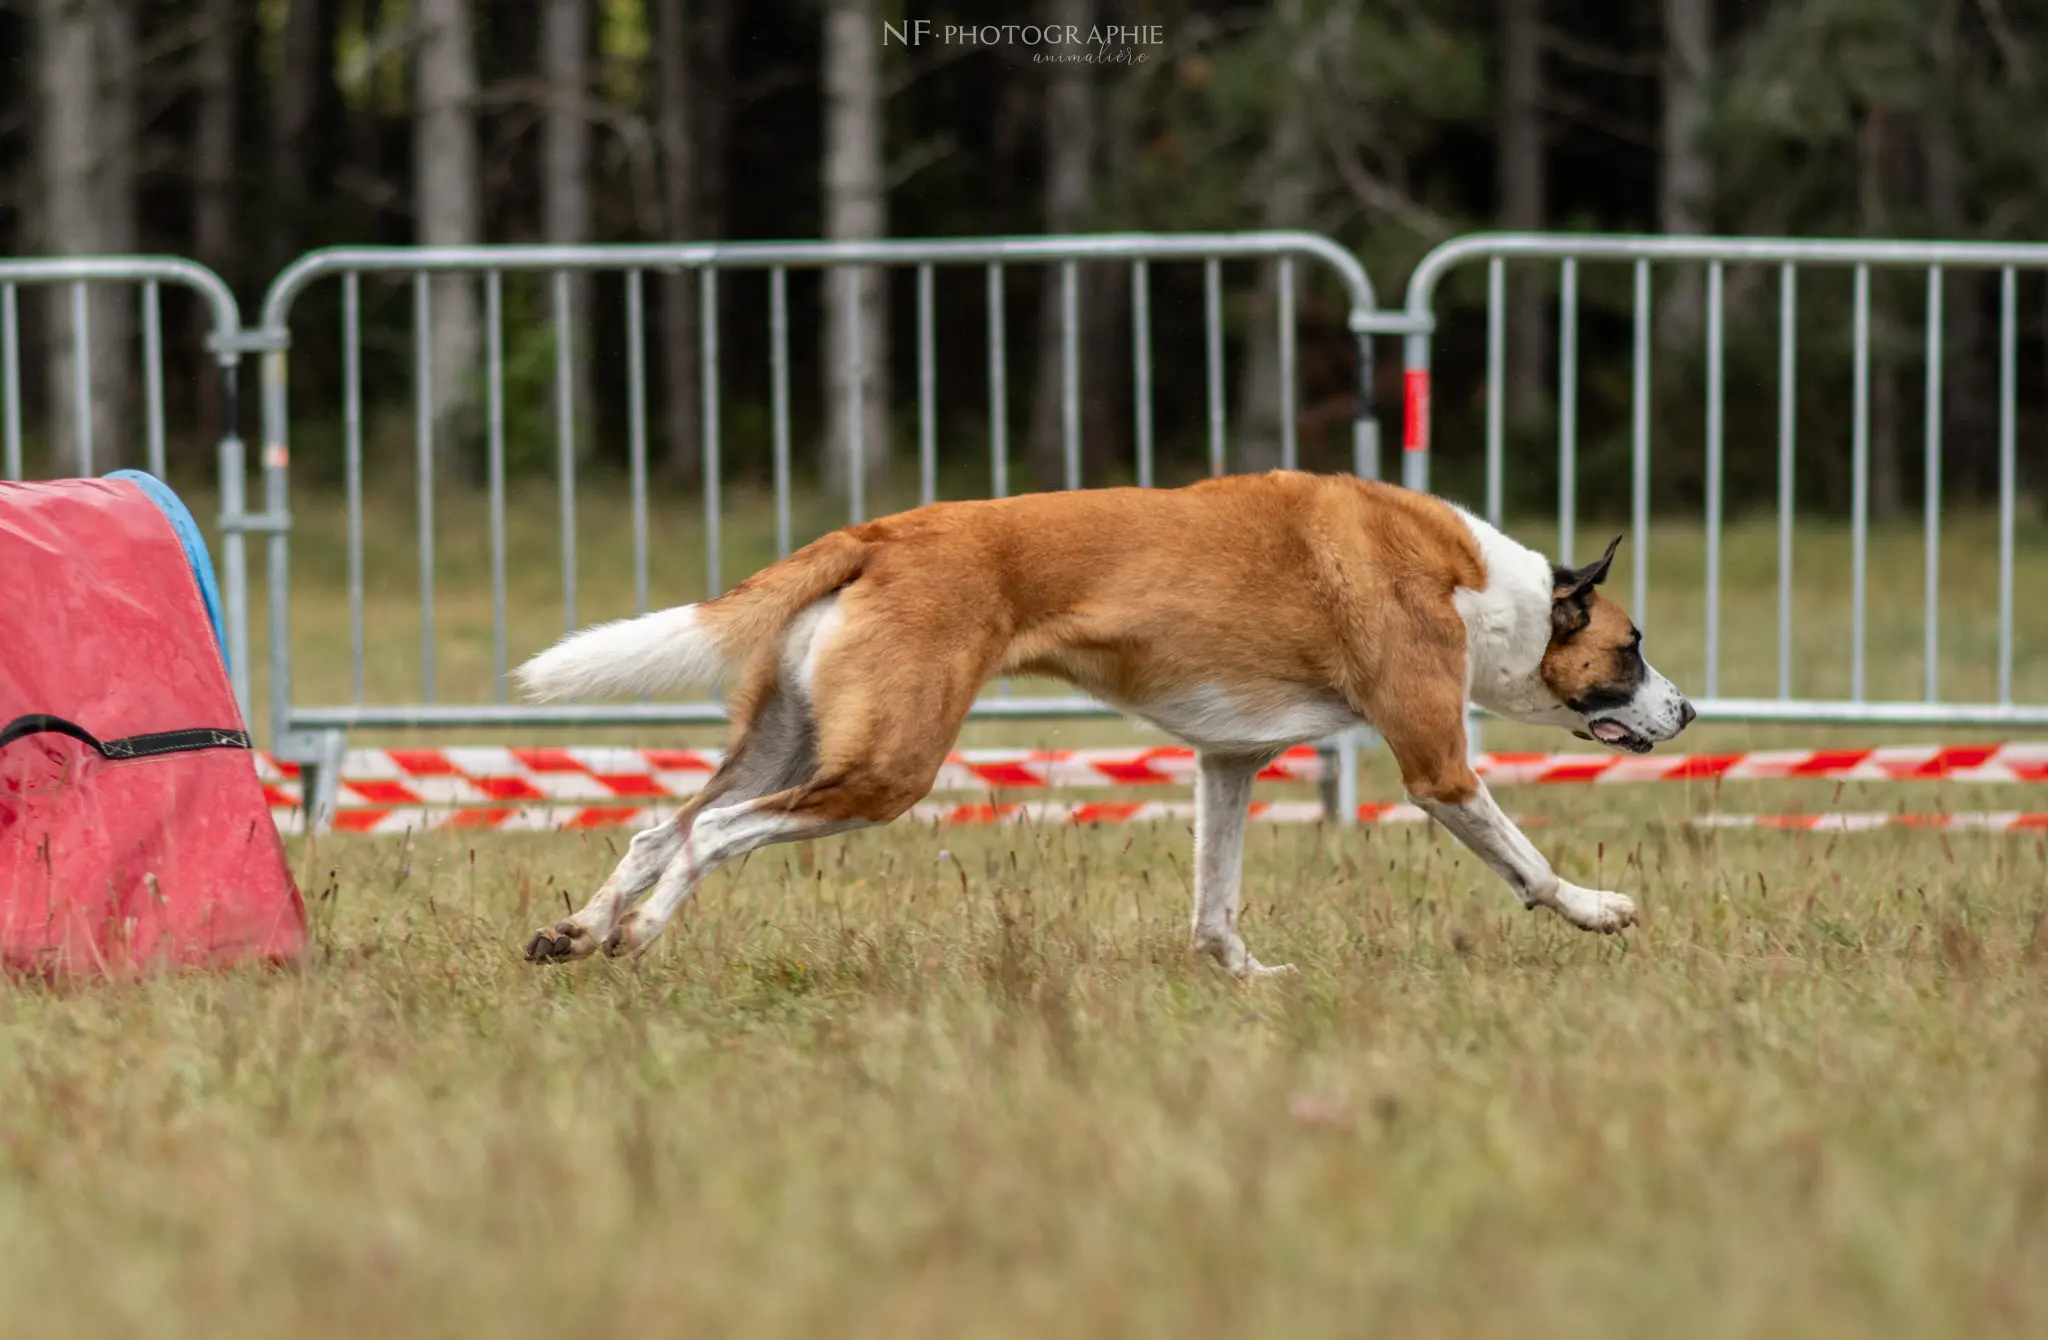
{"type": "Point", "coordinates": [1685, 715]}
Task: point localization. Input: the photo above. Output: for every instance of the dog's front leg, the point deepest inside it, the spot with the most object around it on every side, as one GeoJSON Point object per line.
{"type": "Point", "coordinates": [1223, 797]}
{"type": "Point", "coordinates": [1477, 822]}
{"type": "Point", "coordinates": [1430, 747]}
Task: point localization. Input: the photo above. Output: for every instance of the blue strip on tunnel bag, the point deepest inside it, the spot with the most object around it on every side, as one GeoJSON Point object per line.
{"type": "Point", "coordinates": [187, 530]}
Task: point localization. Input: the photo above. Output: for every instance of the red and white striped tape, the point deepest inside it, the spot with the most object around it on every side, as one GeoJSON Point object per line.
{"type": "Point", "coordinates": [1855, 821]}
{"type": "Point", "coordinates": [555, 818]}
{"type": "Point", "coordinates": [559, 818]}
{"type": "Point", "coordinates": [1892, 763]}
{"type": "Point", "coordinates": [495, 776]}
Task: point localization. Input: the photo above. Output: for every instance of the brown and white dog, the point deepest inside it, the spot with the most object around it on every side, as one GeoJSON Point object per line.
{"type": "Point", "coordinates": [1242, 615]}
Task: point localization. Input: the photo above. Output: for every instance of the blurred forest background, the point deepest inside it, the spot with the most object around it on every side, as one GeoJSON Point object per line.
{"type": "Point", "coordinates": [243, 133]}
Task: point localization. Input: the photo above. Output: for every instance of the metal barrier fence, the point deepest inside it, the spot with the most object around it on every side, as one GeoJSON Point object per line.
{"type": "Point", "coordinates": [314, 734]}
{"type": "Point", "coordinates": [1789, 257]}
{"type": "Point", "coordinates": [225, 343]}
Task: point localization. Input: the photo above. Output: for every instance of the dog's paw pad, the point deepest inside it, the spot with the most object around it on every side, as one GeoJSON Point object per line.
{"type": "Point", "coordinates": [625, 939]}
{"type": "Point", "coordinates": [558, 943]}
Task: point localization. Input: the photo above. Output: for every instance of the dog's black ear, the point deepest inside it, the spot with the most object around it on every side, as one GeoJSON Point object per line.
{"type": "Point", "coordinates": [1571, 594]}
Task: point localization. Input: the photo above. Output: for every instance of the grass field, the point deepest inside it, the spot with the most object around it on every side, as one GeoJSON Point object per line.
{"type": "Point", "coordinates": [972, 1083]}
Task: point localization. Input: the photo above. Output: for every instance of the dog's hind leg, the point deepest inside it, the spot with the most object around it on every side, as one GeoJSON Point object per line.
{"type": "Point", "coordinates": [647, 855]}
{"type": "Point", "coordinates": [776, 749]}
{"type": "Point", "coordinates": [719, 836]}
{"type": "Point", "coordinates": [1223, 796]}
{"type": "Point", "coordinates": [888, 698]}
{"type": "Point", "coordinates": [837, 798]}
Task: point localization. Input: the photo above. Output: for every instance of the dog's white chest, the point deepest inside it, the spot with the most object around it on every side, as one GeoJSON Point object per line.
{"type": "Point", "coordinates": [1222, 720]}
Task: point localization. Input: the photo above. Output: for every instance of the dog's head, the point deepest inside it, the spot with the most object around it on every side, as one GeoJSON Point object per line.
{"type": "Point", "coordinates": [1595, 667]}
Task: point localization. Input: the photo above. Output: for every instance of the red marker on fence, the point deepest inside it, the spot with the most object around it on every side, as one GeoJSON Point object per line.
{"type": "Point", "coordinates": [1415, 410]}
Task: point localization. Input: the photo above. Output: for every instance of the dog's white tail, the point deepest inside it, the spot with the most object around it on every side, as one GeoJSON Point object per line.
{"type": "Point", "coordinates": [655, 652]}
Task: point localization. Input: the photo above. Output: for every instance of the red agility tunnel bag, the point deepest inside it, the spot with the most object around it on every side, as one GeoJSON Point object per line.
{"type": "Point", "coordinates": [133, 831]}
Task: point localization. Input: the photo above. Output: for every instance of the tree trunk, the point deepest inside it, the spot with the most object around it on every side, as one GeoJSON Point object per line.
{"type": "Point", "coordinates": [1286, 190]}
{"type": "Point", "coordinates": [213, 157]}
{"type": "Point", "coordinates": [713, 90]}
{"type": "Point", "coordinates": [213, 150]}
{"type": "Point", "coordinates": [1522, 188]}
{"type": "Point", "coordinates": [1106, 431]}
{"type": "Point", "coordinates": [86, 63]}
{"type": "Point", "coordinates": [673, 74]}
{"type": "Point", "coordinates": [1069, 202]}
{"type": "Point", "coordinates": [855, 209]}
{"type": "Point", "coordinates": [1887, 489]}
{"type": "Point", "coordinates": [291, 134]}
{"type": "Point", "coordinates": [366, 117]}
{"type": "Point", "coordinates": [1970, 446]}
{"type": "Point", "coordinates": [447, 196]}
{"type": "Point", "coordinates": [1685, 187]}
{"type": "Point", "coordinates": [565, 174]}
{"type": "Point", "coordinates": [114, 305]}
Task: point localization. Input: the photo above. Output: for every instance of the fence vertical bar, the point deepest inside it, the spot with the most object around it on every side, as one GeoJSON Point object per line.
{"type": "Point", "coordinates": [234, 543]}
{"type": "Point", "coordinates": [707, 299]}
{"type": "Point", "coordinates": [1415, 360]}
{"type": "Point", "coordinates": [81, 377]}
{"type": "Point", "coordinates": [423, 468]}
{"type": "Point", "coordinates": [494, 448]}
{"type": "Point", "coordinates": [1365, 424]}
{"type": "Point", "coordinates": [1639, 443]}
{"type": "Point", "coordinates": [927, 392]}
{"type": "Point", "coordinates": [1347, 779]}
{"type": "Point", "coordinates": [1714, 472]}
{"type": "Point", "coordinates": [277, 564]}
{"type": "Point", "coordinates": [1567, 410]}
{"type": "Point", "coordinates": [1141, 366]}
{"type": "Point", "coordinates": [1496, 386]}
{"type": "Point", "coordinates": [565, 443]}
{"type": "Point", "coordinates": [1070, 374]}
{"type": "Point", "coordinates": [1212, 325]}
{"type": "Point", "coordinates": [1290, 445]}
{"type": "Point", "coordinates": [636, 427]}
{"type": "Point", "coordinates": [778, 369]}
{"type": "Point", "coordinates": [998, 388]}
{"type": "Point", "coordinates": [153, 374]}
{"type": "Point", "coordinates": [1788, 391]}
{"type": "Point", "coordinates": [352, 466]}
{"type": "Point", "coordinates": [10, 384]}
{"type": "Point", "coordinates": [2008, 316]}
{"type": "Point", "coordinates": [856, 428]}
{"type": "Point", "coordinates": [1931, 488]}
{"type": "Point", "coordinates": [1859, 480]}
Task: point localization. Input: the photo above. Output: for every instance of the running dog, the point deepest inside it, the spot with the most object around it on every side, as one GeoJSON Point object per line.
{"type": "Point", "coordinates": [1241, 615]}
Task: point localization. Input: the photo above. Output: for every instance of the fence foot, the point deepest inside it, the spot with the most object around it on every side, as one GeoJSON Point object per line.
{"type": "Point", "coordinates": [1337, 780]}
{"type": "Point", "coordinates": [319, 755]}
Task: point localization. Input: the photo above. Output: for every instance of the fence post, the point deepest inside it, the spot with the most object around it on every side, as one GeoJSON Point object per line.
{"type": "Point", "coordinates": [1415, 412]}
{"type": "Point", "coordinates": [233, 466]}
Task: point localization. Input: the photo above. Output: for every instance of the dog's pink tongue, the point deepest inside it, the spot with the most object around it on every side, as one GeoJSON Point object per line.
{"type": "Point", "coordinates": [1609, 732]}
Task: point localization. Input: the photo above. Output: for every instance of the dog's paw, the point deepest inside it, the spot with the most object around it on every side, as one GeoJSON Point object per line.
{"type": "Point", "coordinates": [1594, 909]}
{"type": "Point", "coordinates": [559, 943]}
{"type": "Point", "coordinates": [1253, 970]}
{"type": "Point", "coordinates": [630, 937]}
{"type": "Point", "coordinates": [1229, 951]}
